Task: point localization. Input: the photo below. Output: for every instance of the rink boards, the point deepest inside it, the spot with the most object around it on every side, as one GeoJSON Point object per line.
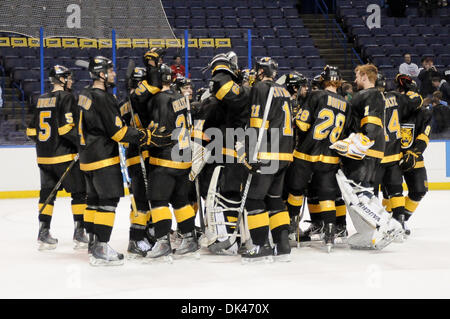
{"type": "Point", "coordinates": [20, 173]}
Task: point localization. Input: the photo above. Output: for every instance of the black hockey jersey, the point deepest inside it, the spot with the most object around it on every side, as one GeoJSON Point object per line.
{"type": "Point", "coordinates": [398, 107]}
{"type": "Point", "coordinates": [169, 114]}
{"type": "Point", "coordinates": [368, 119]}
{"type": "Point", "coordinates": [321, 122]}
{"type": "Point", "coordinates": [100, 129]}
{"type": "Point", "coordinates": [278, 140]}
{"type": "Point", "coordinates": [415, 131]}
{"type": "Point", "coordinates": [53, 128]}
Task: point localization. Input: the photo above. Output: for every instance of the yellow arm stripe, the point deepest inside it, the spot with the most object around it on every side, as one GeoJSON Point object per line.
{"type": "Point", "coordinates": [118, 136]}
{"type": "Point", "coordinates": [257, 122]}
{"type": "Point", "coordinates": [65, 129]}
{"type": "Point", "coordinates": [392, 158]}
{"type": "Point", "coordinates": [229, 152]}
{"type": "Point", "coordinates": [372, 120]}
{"type": "Point", "coordinates": [169, 163]}
{"type": "Point", "coordinates": [276, 156]}
{"type": "Point", "coordinates": [419, 164]}
{"type": "Point", "coordinates": [423, 137]}
{"type": "Point", "coordinates": [302, 125]}
{"type": "Point", "coordinates": [100, 164]}
{"type": "Point", "coordinates": [31, 132]}
{"type": "Point", "coordinates": [374, 153]}
{"type": "Point", "coordinates": [224, 90]}
{"type": "Point", "coordinates": [136, 159]}
{"type": "Point", "coordinates": [56, 159]}
{"type": "Point", "coordinates": [317, 158]}
{"type": "Point", "coordinates": [152, 89]}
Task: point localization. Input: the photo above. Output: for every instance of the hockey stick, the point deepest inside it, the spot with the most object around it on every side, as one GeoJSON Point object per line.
{"type": "Point", "coordinates": [58, 184]}
{"type": "Point", "coordinates": [255, 158]}
{"type": "Point", "coordinates": [197, 186]}
{"type": "Point", "coordinates": [127, 178]}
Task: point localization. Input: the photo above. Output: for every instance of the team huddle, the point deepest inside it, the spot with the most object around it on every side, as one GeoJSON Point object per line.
{"type": "Point", "coordinates": [244, 155]}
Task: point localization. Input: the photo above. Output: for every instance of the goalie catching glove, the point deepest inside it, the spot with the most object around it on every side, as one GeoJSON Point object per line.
{"type": "Point", "coordinates": [252, 168]}
{"type": "Point", "coordinates": [355, 146]}
{"type": "Point", "coordinates": [408, 160]}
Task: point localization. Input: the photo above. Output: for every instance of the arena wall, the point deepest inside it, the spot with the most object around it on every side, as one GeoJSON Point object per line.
{"type": "Point", "coordinates": [20, 173]}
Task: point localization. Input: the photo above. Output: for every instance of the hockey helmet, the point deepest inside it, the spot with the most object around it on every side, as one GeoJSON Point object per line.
{"type": "Point", "coordinates": [316, 82]}
{"type": "Point", "coordinates": [57, 72]}
{"type": "Point", "coordinates": [268, 65]}
{"type": "Point", "coordinates": [153, 54]}
{"type": "Point", "coordinates": [295, 80]}
{"type": "Point", "coordinates": [381, 81]}
{"type": "Point", "coordinates": [139, 74]}
{"type": "Point", "coordinates": [166, 73]}
{"type": "Point", "coordinates": [99, 64]}
{"type": "Point", "coordinates": [331, 73]}
{"type": "Point", "coordinates": [405, 83]}
{"type": "Point", "coordinates": [182, 81]}
{"type": "Point", "coordinates": [225, 62]}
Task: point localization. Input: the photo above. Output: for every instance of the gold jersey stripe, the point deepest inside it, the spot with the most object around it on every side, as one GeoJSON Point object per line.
{"type": "Point", "coordinates": [341, 210]}
{"type": "Point", "coordinates": [398, 201]}
{"type": "Point", "coordinates": [31, 132]}
{"type": "Point", "coordinates": [295, 200]}
{"type": "Point", "coordinates": [314, 208]}
{"type": "Point", "coordinates": [229, 152]}
{"type": "Point", "coordinates": [118, 136]}
{"type": "Point", "coordinates": [279, 219]}
{"type": "Point", "coordinates": [138, 218]}
{"type": "Point", "coordinates": [372, 120]}
{"type": "Point", "coordinates": [136, 159]}
{"type": "Point", "coordinates": [411, 205]}
{"type": "Point", "coordinates": [184, 213]}
{"type": "Point", "coordinates": [161, 213]}
{"type": "Point", "coordinates": [78, 209]}
{"type": "Point", "coordinates": [258, 220]}
{"type": "Point", "coordinates": [257, 122]}
{"type": "Point", "coordinates": [56, 159]}
{"type": "Point", "coordinates": [327, 205]}
{"type": "Point", "coordinates": [302, 125]}
{"type": "Point", "coordinates": [392, 158]}
{"type": "Point", "coordinates": [100, 164]}
{"type": "Point", "coordinates": [48, 210]}
{"type": "Point", "coordinates": [104, 218]}
{"type": "Point", "coordinates": [423, 137]}
{"type": "Point", "coordinates": [224, 89]}
{"type": "Point", "coordinates": [65, 129]}
{"type": "Point", "coordinates": [419, 164]}
{"type": "Point", "coordinates": [374, 153]}
{"type": "Point", "coordinates": [150, 88]}
{"type": "Point", "coordinates": [169, 163]}
{"type": "Point", "coordinates": [276, 156]}
{"type": "Point", "coordinates": [317, 158]}
{"type": "Point", "coordinates": [89, 215]}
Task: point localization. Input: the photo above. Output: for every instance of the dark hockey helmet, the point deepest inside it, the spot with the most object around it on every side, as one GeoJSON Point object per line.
{"type": "Point", "coordinates": [99, 64]}
{"type": "Point", "coordinates": [405, 83]}
{"type": "Point", "coordinates": [139, 74]}
{"type": "Point", "coordinates": [166, 73]}
{"type": "Point", "coordinates": [295, 80]}
{"type": "Point", "coordinates": [268, 65]}
{"type": "Point", "coordinates": [57, 72]}
{"type": "Point", "coordinates": [153, 54]}
{"type": "Point", "coordinates": [223, 62]}
{"type": "Point", "coordinates": [381, 81]}
{"type": "Point", "coordinates": [182, 81]}
{"type": "Point", "coordinates": [331, 73]}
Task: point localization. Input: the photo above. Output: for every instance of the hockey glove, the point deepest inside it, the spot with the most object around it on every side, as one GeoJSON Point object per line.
{"type": "Point", "coordinates": [408, 161]}
{"type": "Point", "coordinates": [161, 139]}
{"type": "Point", "coordinates": [252, 168]}
{"type": "Point", "coordinates": [355, 146]}
{"type": "Point", "coordinates": [145, 137]}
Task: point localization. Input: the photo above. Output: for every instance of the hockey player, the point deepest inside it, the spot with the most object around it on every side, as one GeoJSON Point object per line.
{"type": "Point", "coordinates": [296, 85]}
{"type": "Point", "coordinates": [169, 170]}
{"type": "Point", "coordinates": [100, 130]}
{"type": "Point", "coordinates": [264, 205]}
{"type": "Point", "coordinates": [140, 211]}
{"type": "Point", "coordinates": [415, 131]}
{"type": "Point", "coordinates": [54, 131]}
{"type": "Point", "coordinates": [362, 153]}
{"type": "Point", "coordinates": [321, 121]}
{"type": "Point", "coordinates": [183, 85]}
{"type": "Point", "coordinates": [398, 107]}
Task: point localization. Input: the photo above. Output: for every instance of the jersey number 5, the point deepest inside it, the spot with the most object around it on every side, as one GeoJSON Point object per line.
{"type": "Point", "coordinates": [45, 129]}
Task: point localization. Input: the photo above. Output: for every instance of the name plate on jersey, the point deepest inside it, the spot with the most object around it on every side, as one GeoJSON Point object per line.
{"type": "Point", "coordinates": [407, 135]}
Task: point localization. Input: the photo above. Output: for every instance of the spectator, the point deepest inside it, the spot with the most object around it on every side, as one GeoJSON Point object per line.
{"type": "Point", "coordinates": [441, 116]}
{"type": "Point", "coordinates": [408, 67]}
{"type": "Point", "coordinates": [425, 75]}
{"type": "Point", "coordinates": [443, 86]}
{"type": "Point", "coordinates": [347, 91]}
{"type": "Point", "coordinates": [177, 67]}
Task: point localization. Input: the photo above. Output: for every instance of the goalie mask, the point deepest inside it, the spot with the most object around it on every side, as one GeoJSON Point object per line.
{"type": "Point", "coordinates": [98, 65]}
{"type": "Point", "coordinates": [58, 72]}
{"type": "Point", "coordinates": [266, 66]}
{"type": "Point", "coordinates": [294, 81]}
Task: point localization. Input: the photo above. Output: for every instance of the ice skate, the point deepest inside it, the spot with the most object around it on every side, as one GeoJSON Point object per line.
{"type": "Point", "coordinates": [80, 239]}
{"type": "Point", "coordinates": [257, 254]}
{"type": "Point", "coordinates": [45, 239]}
{"type": "Point", "coordinates": [188, 247]}
{"type": "Point", "coordinates": [294, 232]}
{"type": "Point", "coordinates": [138, 248]}
{"type": "Point", "coordinates": [91, 243]}
{"type": "Point", "coordinates": [104, 255]}
{"type": "Point", "coordinates": [406, 230]}
{"type": "Point", "coordinates": [313, 234]}
{"type": "Point", "coordinates": [329, 235]}
{"type": "Point", "coordinates": [161, 250]}
{"type": "Point", "coordinates": [224, 248]}
{"type": "Point", "coordinates": [341, 235]}
{"type": "Point", "coordinates": [282, 250]}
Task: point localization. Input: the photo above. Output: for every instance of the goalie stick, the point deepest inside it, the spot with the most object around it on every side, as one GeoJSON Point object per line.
{"type": "Point", "coordinates": [58, 184]}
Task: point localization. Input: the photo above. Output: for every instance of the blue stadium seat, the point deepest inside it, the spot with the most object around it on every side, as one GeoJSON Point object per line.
{"type": "Point", "coordinates": [197, 23]}
{"type": "Point", "coordinates": [229, 13]}
{"type": "Point", "coordinates": [316, 63]}
{"type": "Point", "coordinates": [299, 64]}
{"type": "Point", "coordinates": [213, 22]}
{"type": "Point", "coordinates": [262, 23]}
{"type": "Point", "coordinates": [268, 33]}
{"type": "Point", "coordinates": [230, 23]}
{"type": "Point", "coordinates": [246, 22]}
{"type": "Point", "coordinates": [290, 13]}
{"type": "Point", "coordinates": [276, 52]}
{"type": "Point", "coordinates": [284, 33]}
{"type": "Point", "coordinates": [243, 13]}
{"type": "Point", "coordinates": [293, 53]}
{"type": "Point", "coordinates": [213, 13]}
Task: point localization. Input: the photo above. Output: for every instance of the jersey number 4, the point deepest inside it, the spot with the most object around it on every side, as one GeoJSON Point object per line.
{"type": "Point", "coordinates": [323, 129]}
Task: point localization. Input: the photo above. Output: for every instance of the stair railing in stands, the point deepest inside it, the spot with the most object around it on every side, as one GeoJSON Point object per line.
{"type": "Point", "coordinates": [340, 36]}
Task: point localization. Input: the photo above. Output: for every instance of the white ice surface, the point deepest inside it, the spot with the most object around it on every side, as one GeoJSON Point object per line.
{"type": "Point", "coordinates": [418, 268]}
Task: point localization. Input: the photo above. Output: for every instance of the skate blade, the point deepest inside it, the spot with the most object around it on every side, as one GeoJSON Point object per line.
{"type": "Point", "coordinates": [310, 243]}
{"type": "Point", "coordinates": [282, 258]}
{"type": "Point", "coordinates": [257, 260]}
{"type": "Point", "coordinates": [45, 246]}
{"type": "Point", "coordinates": [96, 262]}
{"type": "Point", "coordinates": [192, 255]}
{"type": "Point", "coordinates": [78, 245]}
{"type": "Point", "coordinates": [168, 259]}
{"type": "Point", "coordinates": [134, 256]}
{"type": "Point", "coordinates": [329, 248]}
